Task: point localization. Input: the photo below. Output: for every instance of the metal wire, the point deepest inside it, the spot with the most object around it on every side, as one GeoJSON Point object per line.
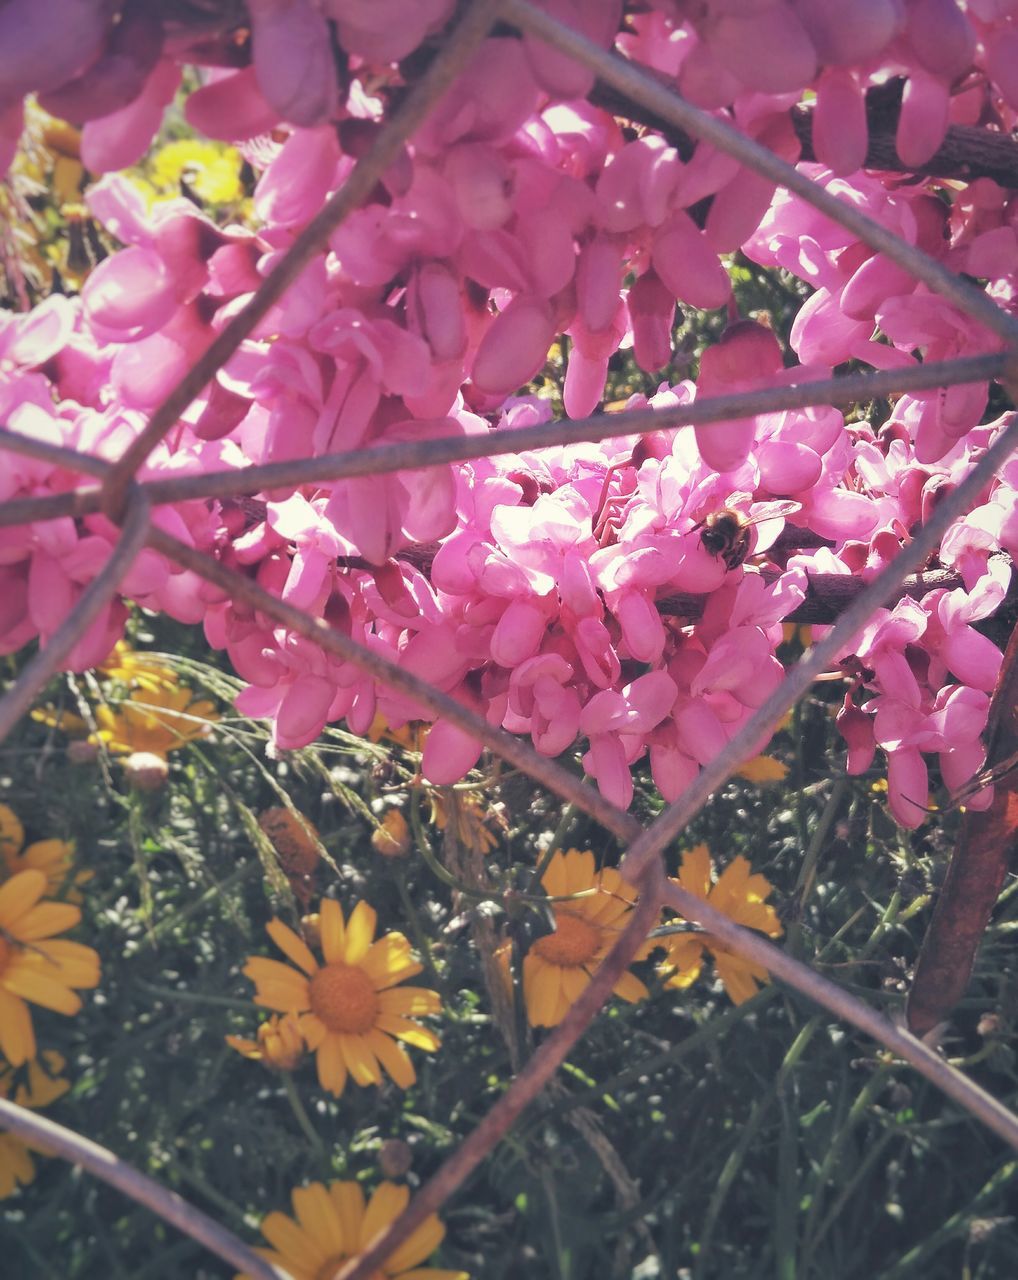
{"type": "Point", "coordinates": [121, 496]}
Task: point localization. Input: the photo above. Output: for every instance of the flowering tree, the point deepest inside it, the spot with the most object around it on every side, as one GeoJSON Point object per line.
{"type": "Point", "coordinates": [435, 430]}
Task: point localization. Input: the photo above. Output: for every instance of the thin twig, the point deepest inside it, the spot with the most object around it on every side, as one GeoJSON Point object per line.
{"type": "Point", "coordinates": [450, 60]}
{"type": "Point", "coordinates": [524, 1089]}
{"type": "Point", "coordinates": [54, 1139]}
{"type": "Point", "coordinates": [19, 698]}
{"type": "Point", "coordinates": [642, 87]}
{"type": "Point", "coordinates": [409, 455]}
{"type": "Point", "coordinates": [818, 657]}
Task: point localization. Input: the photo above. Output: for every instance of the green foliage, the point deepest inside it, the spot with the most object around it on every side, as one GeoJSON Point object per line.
{"type": "Point", "coordinates": [686, 1136]}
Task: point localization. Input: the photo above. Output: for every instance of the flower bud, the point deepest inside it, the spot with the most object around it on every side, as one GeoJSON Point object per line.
{"type": "Point", "coordinates": [146, 771]}
{"type": "Point", "coordinates": [395, 1158]}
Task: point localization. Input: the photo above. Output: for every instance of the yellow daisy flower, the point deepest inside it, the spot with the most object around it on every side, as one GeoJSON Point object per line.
{"type": "Point", "coordinates": [138, 668]}
{"type": "Point", "coordinates": [279, 1044]}
{"type": "Point", "coordinates": [54, 858]}
{"type": "Point", "coordinates": [558, 967]}
{"type": "Point", "coordinates": [333, 1225]}
{"type": "Point", "coordinates": [41, 1088]}
{"type": "Point", "coordinates": [159, 714]}
{"type": "Point", "coordinates": [35, 966]}
{"type": "Point", "coordinates": [351, 1014]}
{"type": "Point", "coordinates": [741, 896]}
{"type": "Point", "coordinates": [155, 721]}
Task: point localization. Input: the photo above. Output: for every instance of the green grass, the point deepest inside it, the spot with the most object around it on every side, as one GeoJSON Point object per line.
{"type": "Point", "coordinates": [687, 1137]}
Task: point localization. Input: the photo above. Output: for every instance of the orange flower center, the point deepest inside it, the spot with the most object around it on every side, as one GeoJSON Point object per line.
{"type": "Point", "coordinates": [574, 943]}
{"type": "Point", "coordinates": [343, 997]}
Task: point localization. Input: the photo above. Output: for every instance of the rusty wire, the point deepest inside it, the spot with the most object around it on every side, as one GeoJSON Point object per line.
{"type": "Point", "coordinates": [120, 495]}
{"type": "Point", "coordinates": [413, 454]}
{"type": "Point", "coordinates": [55, 1139]}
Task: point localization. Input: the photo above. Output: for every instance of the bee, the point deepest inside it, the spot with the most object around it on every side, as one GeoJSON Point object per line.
{"type": "Point", "coordinates": [728, 533]}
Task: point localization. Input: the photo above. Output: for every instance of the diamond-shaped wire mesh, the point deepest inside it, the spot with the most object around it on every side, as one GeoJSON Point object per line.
{"type": "Point", "coordinates": [119, 495]}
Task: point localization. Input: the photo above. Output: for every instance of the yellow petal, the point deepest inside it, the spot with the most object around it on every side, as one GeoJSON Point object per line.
{"type": "Point", "coordinates": [285, 1236]}
{"type": "Point", "coordinates": [72, 962]}
{"type": "Point", "coordinates": [389, 960]}
{"type": "Point", "coordinates": [360, 931]}
{"type": "Point", "coordinates": [17, 1039]}
{"type": "Point", "coordinates": [295, 948]}
{"type": "Point", "coordinates": [332, 931]}
{"type": "Point", "coordinates": [318, 1217]}
{"type": "Point", "coordinates": [410, 1002]}
{"type": "Point", "coordinates": [46, 919]}
{"type": "Point", "coordinates": [694, 874]}
{"type": "Point", "coordinates": [387, 1203]}
{"type": "Point", "coordinates": [395, 1060]}
{"type": "Point", "coordinates": [16, 1165]}
{"type": "Point", "coordinates": [763, 769]}
{"type": "Point", "coordinates": [360, 1061]}
{"type": "Point", "coordinates": [580, 870]}
{"type": "Point", "coordinates": [40, 987]}
{"type": "Point", "coordinates": [48, 855]}
{"type": "Point", "coordinates": [629, 987]}
{"type": "Point", "coordinates": [331, 1067]}
{"type": "Point", "coordinates": [542, 989]}
{"type": "Point", "coordinates": [279, 987]}
{"type": "Point", "coordinates": [420, 1244]}
{"type": "Point", "coordinates": [740, 977]}
{"type": "Point", "coordinates": [348, 1200]}
{"type": "Point", "coordinates": [402, 1029]}
{"type": "Point", "coordinates": [574, 982]}
{"type": "Point", "coordinates": [554, 878]}
{"type": "Point", "coordinates": [18, 896]}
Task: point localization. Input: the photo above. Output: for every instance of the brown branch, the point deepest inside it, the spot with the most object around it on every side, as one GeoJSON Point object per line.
{"type": "Point", "coordinates": [645, 89]}
{"type": "Point", "coordinates": [967, 152]}
{"type": "Point", "coordinates": [987, 850]}
{"type": "Point", "coordinates": [54, 1139]}
{"type": "Point", "coordinates": [847, 389]}
{"type": "Point", "coordinates": [828, 595]}
{"type": "Point", "coordinates": [448, 63]}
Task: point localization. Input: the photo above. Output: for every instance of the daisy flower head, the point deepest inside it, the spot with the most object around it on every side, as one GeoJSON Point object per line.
{"type": "Point", "coordinates": [278, 1045]}
{"type": "Point", "coordinates": [35, 965]}
{"type": "Point", "coordinates": [558, 967]}
{"type": "Point", "coordinates": [54, 858]}
{"type": "Point", "coordinates": [155, 721]}
{"type": "Point", "coordinates": [351, 1009]}
{"type": "Point", "coordinates": [738, 894]}
{"type": "Point", "coordinates": [332, 1225]}
{"type": "Point", "coordinates": [41, 1087]}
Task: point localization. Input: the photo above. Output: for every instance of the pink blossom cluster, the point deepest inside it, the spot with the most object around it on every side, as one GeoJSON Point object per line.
{"type": "Point", "coordinates": [538, 587]}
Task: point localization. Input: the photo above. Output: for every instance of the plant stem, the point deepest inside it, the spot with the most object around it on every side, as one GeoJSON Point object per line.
{"type": "Point", "coordinates": [304, 1120]}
